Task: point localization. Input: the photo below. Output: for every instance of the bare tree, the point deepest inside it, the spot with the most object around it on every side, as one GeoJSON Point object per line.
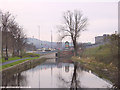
{"type": "Point", "coordinates": [20, 41]}
{"type": "Point", "coordinates": [73, 25]}
{"type": "Point", "coordinates": [13, 37]}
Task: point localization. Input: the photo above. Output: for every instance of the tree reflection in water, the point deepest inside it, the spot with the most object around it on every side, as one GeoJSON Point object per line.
{"type": "Point", "coordinates": [74, 83]}
{"type": "Point", "coordinates": [16, 80]}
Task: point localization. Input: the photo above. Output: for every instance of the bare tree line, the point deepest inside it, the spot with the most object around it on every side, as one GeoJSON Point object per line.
{"type": "Point", "coordinates": [13, 38]}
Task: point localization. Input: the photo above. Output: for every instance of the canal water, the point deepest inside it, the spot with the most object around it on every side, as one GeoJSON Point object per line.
{"type": "Point", "coordinates": [58, 75]}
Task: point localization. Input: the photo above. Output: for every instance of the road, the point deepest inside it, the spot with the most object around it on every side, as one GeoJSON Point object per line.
{"type": "Point", "coordinates": [39, 52]}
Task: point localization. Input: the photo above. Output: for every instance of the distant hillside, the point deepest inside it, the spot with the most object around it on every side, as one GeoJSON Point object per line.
{"type": "Point", "coordinates": [39, 44]}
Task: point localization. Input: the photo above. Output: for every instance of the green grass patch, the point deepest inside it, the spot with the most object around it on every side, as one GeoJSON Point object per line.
{"type": "Point", "coordinates": [31, 55]}
{"type": "Point", "coordinates": [17, 62]}
{"type": "Point", "coordinates": [101, 60]}
{"type": "Point", "coordinates": [101, 53]}
{"type": "Point", "coordinates": [1, 60]}
{"type": "Point", "coordinates": [9, 59]}
{"type": "Point", "coordinates": [98, 67]}
{"type": "Point", "coordinates": [15, 58]}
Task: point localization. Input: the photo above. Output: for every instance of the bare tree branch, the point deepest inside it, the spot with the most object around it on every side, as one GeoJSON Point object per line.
{"type": "Point", "coordinates": [12, 34]}
{"type": "Point", "coordinates": [74, 24]}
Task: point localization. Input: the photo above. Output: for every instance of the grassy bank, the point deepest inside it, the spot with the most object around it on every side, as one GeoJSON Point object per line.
{"type": "Point", "coordinates": [32, 55]}
{"type": "Point", "coordinates": [23, 56]}
{"type": "Point", "coordinates": [103, 70]}
{"type": "Point", "coordinates": [17, 62]}
{"type": "Point", "coordinates": [103, 54]}
{"type": "Point", "coordinates": [101, 61]}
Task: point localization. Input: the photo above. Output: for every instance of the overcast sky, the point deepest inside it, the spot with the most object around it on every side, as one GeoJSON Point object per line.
{"type": "Point", "coordinates": [102, 16]}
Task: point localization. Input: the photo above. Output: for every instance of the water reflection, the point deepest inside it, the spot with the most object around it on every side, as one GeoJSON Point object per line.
{"type": "Point", "coordinates": [56, 75]}
{"type": "Point", "coordinates": [73, 81]}
{"type": "Point", "coordinates": [16, 80]}
{"type": "Point", "coordinates": [81, 78]}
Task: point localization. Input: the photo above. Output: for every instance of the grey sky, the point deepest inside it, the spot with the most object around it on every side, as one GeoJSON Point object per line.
{"type": "Point", "coordinates": [102, 16]}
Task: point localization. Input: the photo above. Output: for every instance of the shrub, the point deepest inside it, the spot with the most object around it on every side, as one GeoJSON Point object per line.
{"type": "Point", "coordinates": [31, 55]}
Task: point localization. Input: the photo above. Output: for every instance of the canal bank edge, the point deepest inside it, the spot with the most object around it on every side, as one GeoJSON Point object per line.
{"type": "Point", "coordinates": [26, 63]}
{"type": "Point", "coordinates": [97, 69]}
{"type": "Point", "coordinates": [8, 72]}
{"type": "Point", "coordinates": [20, 61]}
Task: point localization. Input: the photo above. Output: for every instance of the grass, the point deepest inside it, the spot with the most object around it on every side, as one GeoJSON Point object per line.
{"type": "Point", "coordinates": [15, 58]}
{"type": "Point", "coordinates": [15, 63]}
{"type": "Point", "coordinates": [101, 53]}
{"type": "Point", "coordinates": [101, 60]}
{"type": "Point", "coordinates": [1, 60]}
{"type": "Point", "coordinates": [98, 67]}
{"type": "Point", "coordinates": [10, 59]}
{"type": "Point", "coordinates": [31, 55]}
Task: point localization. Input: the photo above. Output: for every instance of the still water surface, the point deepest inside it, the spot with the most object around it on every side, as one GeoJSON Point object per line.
{"type": "Point", "coordinates": [58, 75]}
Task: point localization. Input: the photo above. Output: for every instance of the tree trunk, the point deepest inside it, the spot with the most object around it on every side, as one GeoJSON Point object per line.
{"type": "Point", "coordinates": [13, 54]}
{"type": "Point", "coordinates": [6, 51]}
{"type": "Point", "coordinates": [6, 46]}
{"type": "Point", "coordinates": [2, 52]}
{"type": "Point", "coordinates": [75, 47]}
{"type": "Point", "coordinates": [17, 52]}
{"type": "Point", "coordinates": [74, 78]}
{"type": "Point", "coordinates": [118, 63]}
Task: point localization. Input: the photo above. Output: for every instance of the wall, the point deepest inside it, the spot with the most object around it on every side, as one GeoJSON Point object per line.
{"type": "Point", "coordinates": [9, 72]}
{"type": "Point", "coordinates": [65, 53]}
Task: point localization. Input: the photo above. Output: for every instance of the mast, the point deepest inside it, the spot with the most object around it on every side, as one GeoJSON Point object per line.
{"type": "Point", "coordinates": [39, 34]}
{"type": "Point", "coordinates": [51, 39]}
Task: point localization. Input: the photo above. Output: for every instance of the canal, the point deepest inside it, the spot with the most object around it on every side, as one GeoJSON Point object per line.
{"type": "Point", "coordinates": [53, 74]}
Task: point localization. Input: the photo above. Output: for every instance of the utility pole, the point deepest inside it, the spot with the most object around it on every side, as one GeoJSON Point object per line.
{"type": "Point", "coordinates": [39, 34]}
{"type": "Point", "coordinates": [39, 46]}
{"type": "Point", "coordinates": [51, 39]}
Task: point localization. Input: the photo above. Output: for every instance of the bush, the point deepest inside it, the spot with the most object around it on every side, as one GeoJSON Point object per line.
{"type": "Point", "coordinates": [31, 55]}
